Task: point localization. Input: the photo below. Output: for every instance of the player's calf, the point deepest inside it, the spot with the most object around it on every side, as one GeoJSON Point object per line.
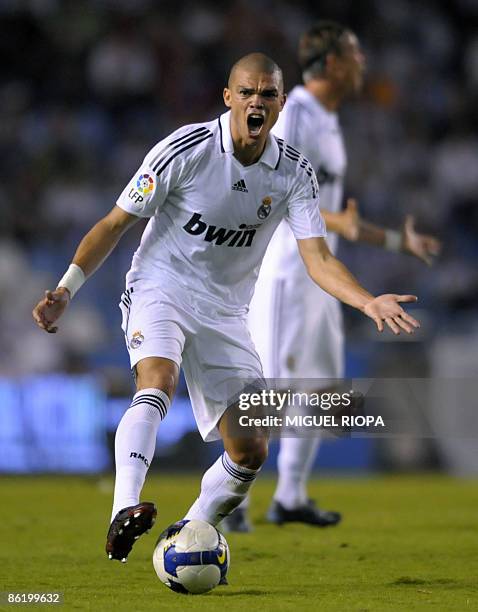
{"type": "Point", "coordinates": [247, 453]}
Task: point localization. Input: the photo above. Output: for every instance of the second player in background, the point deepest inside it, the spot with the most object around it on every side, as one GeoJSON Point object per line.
{"type": "Point", "coordinates": [296, 326]}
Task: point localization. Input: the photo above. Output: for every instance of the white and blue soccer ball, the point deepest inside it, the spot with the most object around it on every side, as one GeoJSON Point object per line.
{"type": "Point", "coordinates": [191, 557]}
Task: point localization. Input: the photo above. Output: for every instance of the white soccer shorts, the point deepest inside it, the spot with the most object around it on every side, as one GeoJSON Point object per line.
{"type": "Point", "coordinates": [297, 329]}
{"type": "Point", "coordinates": [214, 347]}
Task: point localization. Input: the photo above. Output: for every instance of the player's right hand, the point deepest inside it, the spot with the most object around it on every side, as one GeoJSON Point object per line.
{"type": "Point", "coordinates": [50, 308]}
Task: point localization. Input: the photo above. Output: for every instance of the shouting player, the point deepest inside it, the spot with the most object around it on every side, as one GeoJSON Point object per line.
{"type": "Point", "coordinates": [296, 327]}
{"type": "Point", "coordinates": [215, 193]}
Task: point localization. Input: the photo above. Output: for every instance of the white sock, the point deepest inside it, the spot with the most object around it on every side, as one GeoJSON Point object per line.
{"type": "Point", "coordinates": [294, 464]}
{"type": "Point", "coordinates": [224, 486]}
{"type": "Point", "coordinates": [134, 445]}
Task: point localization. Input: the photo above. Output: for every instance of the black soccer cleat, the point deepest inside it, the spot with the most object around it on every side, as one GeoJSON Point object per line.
{"type": "Point", "coordinates": [127, 526]}
{"type": "Point", "coordinates": [309, 514]}
{"type": "Point", "coordinates": [236, 522]}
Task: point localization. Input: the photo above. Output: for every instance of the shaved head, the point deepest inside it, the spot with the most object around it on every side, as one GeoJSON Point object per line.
{"type": "Point", "coordinates": [258, 63]}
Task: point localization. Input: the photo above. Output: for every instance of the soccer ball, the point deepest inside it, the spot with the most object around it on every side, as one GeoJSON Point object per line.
{"type": "Point", "coordinates": [191, 557]}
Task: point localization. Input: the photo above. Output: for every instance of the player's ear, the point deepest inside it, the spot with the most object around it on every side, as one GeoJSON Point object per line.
{"type": "Point", "coordinates": [226, 94]}
{"type": "Point", "coordinates": [283, 100]}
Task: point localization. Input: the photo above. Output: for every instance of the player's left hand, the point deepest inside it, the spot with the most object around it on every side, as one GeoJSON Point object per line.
{"type": "Point", "coordinates": [386, 308]}
{"type": "Point", "coordinates": [420, 245]}
{"type": "Point", "coordinates": [350, 221]}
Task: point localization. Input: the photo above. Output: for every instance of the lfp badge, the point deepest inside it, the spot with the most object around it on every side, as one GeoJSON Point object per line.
{"type": "Point", "coordinates": [145, 184]}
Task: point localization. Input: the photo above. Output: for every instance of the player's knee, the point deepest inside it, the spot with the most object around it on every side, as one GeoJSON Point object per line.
{"type": "Point", "coordinates": [251, 456]}
{"type": "Point", "coordinates": [155, 374]}
{"type": "Point", "coordinates": [165, 382]}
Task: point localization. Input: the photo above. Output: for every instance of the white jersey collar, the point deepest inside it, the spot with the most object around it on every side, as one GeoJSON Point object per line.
{"type": "Point", "coordinates": [271, 155]}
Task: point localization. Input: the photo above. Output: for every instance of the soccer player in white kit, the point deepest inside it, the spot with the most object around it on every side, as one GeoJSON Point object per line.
{"type": "Point", "coordinates": [296, 326]}
{"type": "Point", "coordinates": [215, 193]}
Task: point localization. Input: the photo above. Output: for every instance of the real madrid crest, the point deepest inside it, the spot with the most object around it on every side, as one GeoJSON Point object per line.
{"type": "Point", "coordinates": [136, 340]}
{"type": "Point", "coordinates": [265, 208]}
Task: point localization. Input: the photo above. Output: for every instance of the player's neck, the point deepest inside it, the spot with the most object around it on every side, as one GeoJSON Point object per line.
{"type": "Point", "coordinates": [248, 154]}
{"type": "Point", "coordinates": [323, 91]}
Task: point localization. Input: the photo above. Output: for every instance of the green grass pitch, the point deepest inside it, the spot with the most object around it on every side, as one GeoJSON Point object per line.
{"type": "Point", "coordinates": [406, 543]}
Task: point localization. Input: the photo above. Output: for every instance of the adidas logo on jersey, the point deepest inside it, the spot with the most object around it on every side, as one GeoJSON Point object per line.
{"type": "Point", "coordinates": [220, 235]}
{"type": "Point", "coordinates": [240, 186]}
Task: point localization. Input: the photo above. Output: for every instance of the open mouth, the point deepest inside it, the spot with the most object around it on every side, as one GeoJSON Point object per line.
{"type": "Point", "coordinates": [255, 123]}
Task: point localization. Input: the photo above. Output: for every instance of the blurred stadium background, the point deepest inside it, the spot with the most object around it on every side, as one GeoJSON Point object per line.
{"type": "Point", "coordinates": [88, 87]}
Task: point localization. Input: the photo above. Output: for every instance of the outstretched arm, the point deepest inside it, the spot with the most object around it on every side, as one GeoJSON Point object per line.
{"type": "Point", "coordinates": [348, 224]}
{"type": "Point", "coordinates": [330, 274]}
{"type": "Point", "coordinates": [93, 249]}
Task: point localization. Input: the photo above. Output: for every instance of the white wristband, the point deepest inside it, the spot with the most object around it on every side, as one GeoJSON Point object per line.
{"type": "Point", "coordinates": [72, 280]}
{"type": "Point", "coordinates": [393, 241]}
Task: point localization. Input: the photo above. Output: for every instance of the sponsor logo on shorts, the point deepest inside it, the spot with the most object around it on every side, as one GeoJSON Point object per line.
{"type": "Point", "coordinates": [241, 237]}
{"type": "Point", "coordinates": [136, 340]}
{"type": "Point", "coordinates": [265, 208]}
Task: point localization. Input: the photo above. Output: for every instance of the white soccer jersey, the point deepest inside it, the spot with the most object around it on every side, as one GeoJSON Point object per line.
{"type": "Point", "coordinates": [211, 217]}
